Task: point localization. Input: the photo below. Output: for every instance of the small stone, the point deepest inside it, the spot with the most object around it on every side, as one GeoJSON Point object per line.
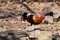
{"type": "Point", "coordinates": [33, 28]}
{"type": "Point", "coordinates": [49, 19]}
{"type": "Point", "coordinates": [41, 35]}
{"type": "Point", "coordinates": [2, 29]}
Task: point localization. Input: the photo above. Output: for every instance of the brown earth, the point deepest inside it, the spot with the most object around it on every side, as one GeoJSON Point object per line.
{"type": "Point", "coordinates": [13, 22]}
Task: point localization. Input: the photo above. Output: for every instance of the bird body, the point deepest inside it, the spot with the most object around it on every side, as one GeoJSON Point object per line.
{"type": "Point", "coordinates": [37, 19]}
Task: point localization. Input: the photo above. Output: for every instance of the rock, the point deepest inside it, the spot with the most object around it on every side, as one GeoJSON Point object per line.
{"type": "Point", "coordinates": [2, 29]}
{"type": "Point", "coordinates": [56, 36]}
{"type": "Point", "coordinates": [45, 37]}
{"type": "Point", "coordinates": [40, 35]}
{"type": "Point", "coordinates": [14, 35]}
{"type": "Point", "coordinates": [48, 19]}
{"type": "Point", "coordinates": [33, 28]}
{"type": "Point", "coordinates": [56, 12]}
{"type": "Point", "coordinates": [56, 19]}
{"type": "Point", "coordinates": [46, 10]}
{"type": "Point", "coordinates": [24, 38]}
{"type": "Point", "coordinates": [34, 34]}
{"type": "Point", "coordinates": [33, 39]}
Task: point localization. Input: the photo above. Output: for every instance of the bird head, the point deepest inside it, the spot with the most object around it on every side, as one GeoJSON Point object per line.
{"type": "Point", "coordinates": [42, 16]}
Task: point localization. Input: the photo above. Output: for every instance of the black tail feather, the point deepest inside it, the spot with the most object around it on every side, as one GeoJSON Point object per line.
{"type": "Point", "coordinates": [24, 15]}
{"type": "Point", "coordinates": [50, 14]}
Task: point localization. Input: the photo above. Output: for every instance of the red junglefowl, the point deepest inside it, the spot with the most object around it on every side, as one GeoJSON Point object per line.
{"type": "Point", "coordinates": [34, 19]}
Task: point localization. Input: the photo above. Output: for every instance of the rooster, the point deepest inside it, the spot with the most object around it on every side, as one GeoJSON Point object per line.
{"type": "Point", "coordinates": [33, 19]}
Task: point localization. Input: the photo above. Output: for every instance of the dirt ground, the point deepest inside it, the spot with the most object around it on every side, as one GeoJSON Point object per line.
{"type": "Point", "coordinates": [10, 16]}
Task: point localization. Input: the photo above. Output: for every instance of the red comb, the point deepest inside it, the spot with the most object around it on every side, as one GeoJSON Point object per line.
{"type": "Point", "coordinates": [42, 15]}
